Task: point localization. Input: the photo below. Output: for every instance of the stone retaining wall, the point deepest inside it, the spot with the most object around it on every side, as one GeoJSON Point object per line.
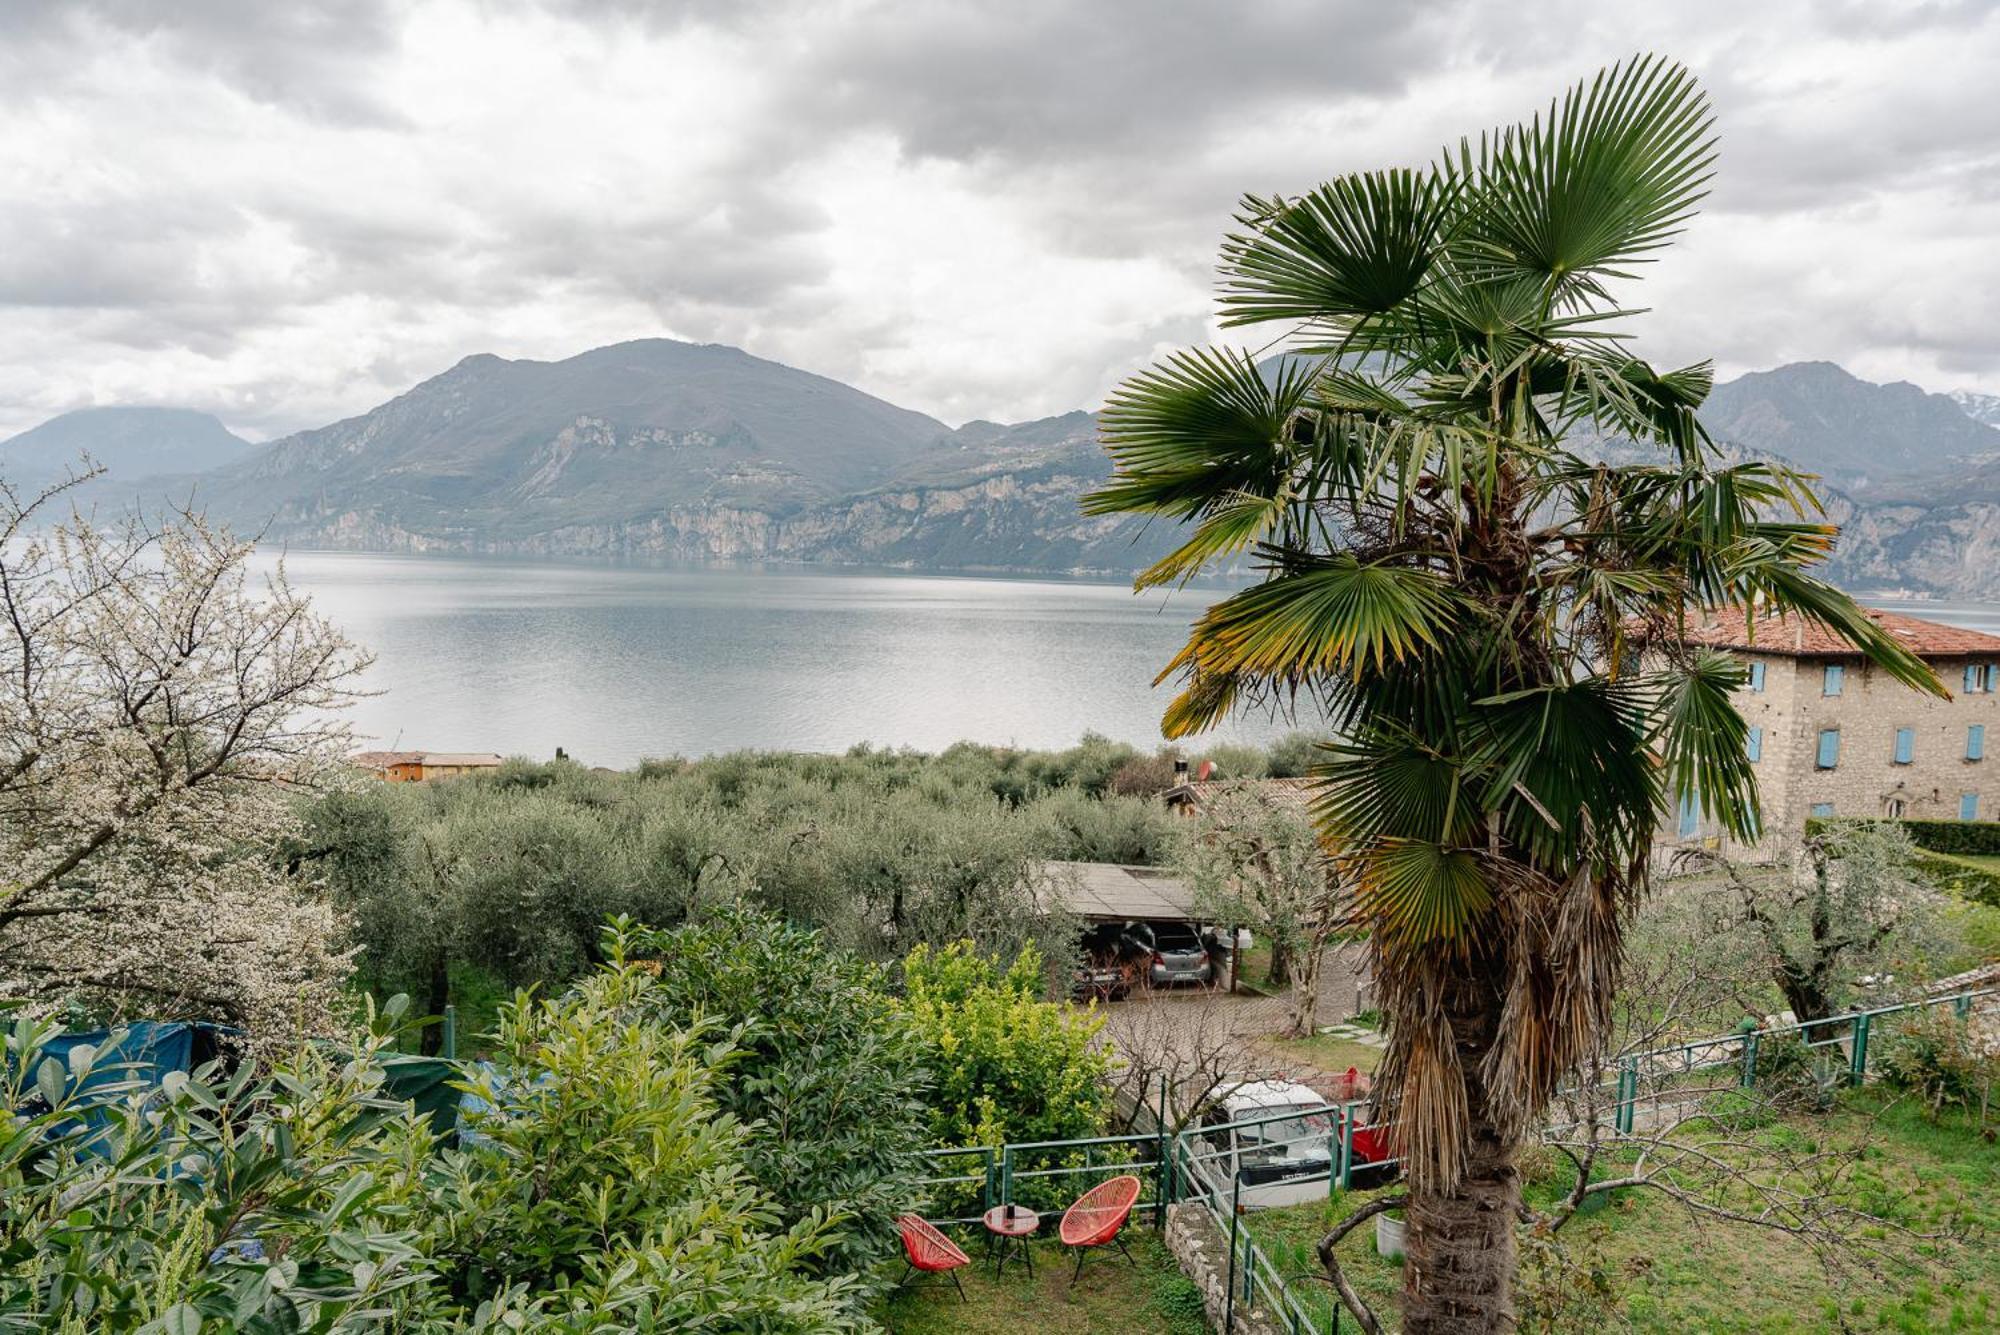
{"type": "Point", "coordinates": [1202, 1250]}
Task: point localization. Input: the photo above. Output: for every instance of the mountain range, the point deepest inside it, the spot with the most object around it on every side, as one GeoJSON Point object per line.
{"type": "Point", "coordinates": [663, 449]}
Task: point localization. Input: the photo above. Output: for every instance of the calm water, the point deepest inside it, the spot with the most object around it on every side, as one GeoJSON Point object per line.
{"type": "Point", "coordinates": [615, 663]}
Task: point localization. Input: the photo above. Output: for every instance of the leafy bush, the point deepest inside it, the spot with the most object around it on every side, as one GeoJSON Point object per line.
{"type": "Point", "coordinates": [830, 1072]}
{"type": "Point", "coordinates": [268, 1205]}
{"type": "Point", "coordinates": [608, 1192]}
{"type": "Point", "coordinates": [1942, 1059]}
{"type": "Point", "coordinates": [1006, 1064]}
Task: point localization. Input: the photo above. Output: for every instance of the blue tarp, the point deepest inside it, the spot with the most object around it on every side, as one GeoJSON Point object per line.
{"type": "Point", "coordinates": [145, 1051]}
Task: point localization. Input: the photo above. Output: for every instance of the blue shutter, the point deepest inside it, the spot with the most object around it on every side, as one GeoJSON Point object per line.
{"type": "Point", "coordinates": [1993, 676]}
{"type": "Point", "coordinates": [1690, 817]}
{"type": "Point", "coordinates": [1968, 806]}
{"type": "Point", "coordinates": [1822, 810]}
{"type": "Point", "coordinates": [1975, 742]}
{"type": "Point", "coordinates": [1754, 745]}
{"type": "Point", "coordinates": [1756, 676]}
{"type": "Point", "coordinates": [1906, 745]}
{"type": "Point", "coordinates": [1835, 673]}
{"type": "Point", "coordinates": [1829, 748]}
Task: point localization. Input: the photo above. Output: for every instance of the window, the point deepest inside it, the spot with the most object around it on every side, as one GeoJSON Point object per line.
{"type": "Point", "coordinates": [1974, 679]}
{"type": "Point", "coordinates": [1975, 742]}
{"type": "Point", "coordinates": [1968, 806]}
{"type": "Point", "coordinates": [1906, 745]}
{"type": "Point", "coordinates": [1690, 817]}
{"type": "Point", "coordinates": [1835, 676]}
{"type": "Point", "coordinates": [1822, 810]}
{"type": "Point", "coordinates": [1757, 676]}
{"type": "Point", "coordinates": [1895, 808]}
{"type": "Point", "coordinates": [1829, 749]}
{"type": "Point", "coordinates": [1754, 745]}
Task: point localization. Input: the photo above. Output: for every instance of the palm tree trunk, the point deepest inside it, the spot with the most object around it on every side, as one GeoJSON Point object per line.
{"type": "Point", "coordinates": [1458, 1274]}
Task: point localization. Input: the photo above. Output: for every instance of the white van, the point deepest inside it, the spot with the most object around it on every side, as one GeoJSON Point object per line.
{"type": "Point", "coordinates": [1285, 1159]}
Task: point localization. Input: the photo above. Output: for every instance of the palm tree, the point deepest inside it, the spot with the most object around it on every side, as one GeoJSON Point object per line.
{"type": "Point", "coordinates": [1491, 620]}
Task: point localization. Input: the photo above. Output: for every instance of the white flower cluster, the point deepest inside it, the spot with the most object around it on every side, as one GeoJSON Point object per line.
{"type": "Point", "coordinates": [159, 713]}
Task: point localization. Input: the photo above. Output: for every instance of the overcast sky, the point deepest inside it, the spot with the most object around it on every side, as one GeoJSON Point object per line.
{"type": "Point", "coordinates": [285, 213]}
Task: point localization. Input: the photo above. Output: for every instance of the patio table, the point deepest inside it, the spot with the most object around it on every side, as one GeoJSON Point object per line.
{"type": "Point", "coordinates": [1008, 1225]}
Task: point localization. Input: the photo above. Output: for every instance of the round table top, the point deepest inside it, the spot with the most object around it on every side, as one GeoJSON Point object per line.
{"type": "Point", "coordinates": [1021, 1223]}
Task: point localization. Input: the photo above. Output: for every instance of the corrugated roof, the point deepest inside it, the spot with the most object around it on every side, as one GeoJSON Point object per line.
{"type": "Point", "coordinates": [1795, 637]}
{"type": "Point", "coordinates": [1113, 892]}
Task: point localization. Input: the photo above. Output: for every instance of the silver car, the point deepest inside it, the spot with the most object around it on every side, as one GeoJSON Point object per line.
{"type": "Point", "coordinates": [1180, 956]}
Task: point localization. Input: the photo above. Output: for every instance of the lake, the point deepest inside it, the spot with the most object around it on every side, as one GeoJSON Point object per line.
{"type": "Point", "coordinates": [613, 663]}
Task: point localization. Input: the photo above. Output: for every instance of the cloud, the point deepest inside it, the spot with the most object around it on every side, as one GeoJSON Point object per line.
{"type": "Point", "coordinates": [288, 213]}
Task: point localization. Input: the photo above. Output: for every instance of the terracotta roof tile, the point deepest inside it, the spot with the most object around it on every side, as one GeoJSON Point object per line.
{"type": "Point", "coordinates": [1795, 637]}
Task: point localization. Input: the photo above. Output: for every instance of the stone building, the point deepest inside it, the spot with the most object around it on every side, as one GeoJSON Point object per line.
{"type": "Point", "coordinates": [1833, 735]}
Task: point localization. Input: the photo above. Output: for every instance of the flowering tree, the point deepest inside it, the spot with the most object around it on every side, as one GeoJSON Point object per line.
{"type": "Point", "coordinates": [155, 706]}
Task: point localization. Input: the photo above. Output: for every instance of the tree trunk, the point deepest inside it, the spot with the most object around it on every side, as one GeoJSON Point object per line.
{"type": "Point", "coordinates": [432, 1042]}
{"type": "Point", "coordinates": [1280, 972]}
{"type": "Point", "coordinates": [1304, 1018]}
{"type": "Point", "coordinates": [1458, 1272]}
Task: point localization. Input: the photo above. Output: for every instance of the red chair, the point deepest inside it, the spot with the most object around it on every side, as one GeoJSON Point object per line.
{"type": "Point", "coordinates": [926, 1249]}
{"type": "Point", "coordinates": [1096, 1218]}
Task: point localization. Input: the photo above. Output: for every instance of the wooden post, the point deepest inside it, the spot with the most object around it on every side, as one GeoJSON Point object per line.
{"type": "Point", "coordinates": [1235, 951]}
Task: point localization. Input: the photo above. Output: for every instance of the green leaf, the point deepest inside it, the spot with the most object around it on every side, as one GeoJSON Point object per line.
{"type": "Point", "coordinates": [1356, 246]}
{"type": "Point", "coordinates": [1606, 178]}
{"type": "Point", "coordinates": [1338, 617]}
{"type": "Point", "coordinates": [1420, 892]}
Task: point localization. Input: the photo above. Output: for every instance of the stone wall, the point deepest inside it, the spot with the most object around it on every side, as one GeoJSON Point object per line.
{"type": "Point", "coordinates": [1793, 709]}
{"type": "Point", "coordinates": [1202, 1249]}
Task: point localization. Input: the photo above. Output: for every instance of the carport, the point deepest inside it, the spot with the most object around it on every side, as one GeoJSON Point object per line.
{"type": "Point", "coordinates": [1115, 892]}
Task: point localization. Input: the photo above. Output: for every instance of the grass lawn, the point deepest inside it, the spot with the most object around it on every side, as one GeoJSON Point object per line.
{"type": "Point", "coordinates": [1328, 1053]}
{"type": "Point", "coordinates": [1989, 862]}
{"type": "Point", "coordinates": [1665, 1271]}
{"type": "Point", "coordinates": [1112, 1295]}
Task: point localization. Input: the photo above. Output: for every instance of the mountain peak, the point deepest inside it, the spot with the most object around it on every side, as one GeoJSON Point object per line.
{"type": "Point", "coordinates": [130, 441]}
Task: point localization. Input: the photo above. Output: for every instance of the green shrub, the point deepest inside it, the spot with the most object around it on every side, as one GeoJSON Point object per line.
{"type": "Point", "coordinates": [609, 1192]}
{"type": "Point", "coordinates": [830, 1075]}
{"type": "Point", "coordinates": [1006, 1064]}
{"type": "Point", "coordinates": [1942, 1059]}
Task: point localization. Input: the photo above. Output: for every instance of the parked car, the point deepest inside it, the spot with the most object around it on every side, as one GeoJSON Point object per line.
{"type": "Point", "coordinates": [1109, 962]}
{"type": "Point", "coordinates": [1180, 956]}
{"type": "Point", "coordinates": [1288, 1152]}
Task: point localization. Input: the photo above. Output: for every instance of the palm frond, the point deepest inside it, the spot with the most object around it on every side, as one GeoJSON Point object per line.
{"type": "Point", "coordinates": [1202, 429]}
{"type": "Point", "coordinates": [1357, 246]}
{"type": "Point", "coordinates": [1336, 616]}
{"type": "Point", "coordinates": [1702, 740]}
{"type": "Point", "coordinates": [1418, 892]}
{"type": "Point", "coordinates": [1607, 177]}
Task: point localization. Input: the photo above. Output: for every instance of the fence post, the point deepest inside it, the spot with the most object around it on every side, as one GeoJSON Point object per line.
{"type": "Point", "coordinates": [986, 1193]}
{"type": "Point", "coordinates": [450, 1044]}
{"type": "Point", "coordinates": [1006, 1175]}
{"type": "Point", "coordinates": [1333, 1153]}
{"type": "Point", "coordinates": [1347, 1146]}
{"type": "Point", "coordinates": [1961, 1005]}
{"type": "Point", "coordinates": [1628, 1094]}
{"type": "Point", "coordinates": [1858, 1066]}
{"type": "Point", "coordinates": [1235, 1222]}
{"type": "Point", "coordinates": [1750, 1060]}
